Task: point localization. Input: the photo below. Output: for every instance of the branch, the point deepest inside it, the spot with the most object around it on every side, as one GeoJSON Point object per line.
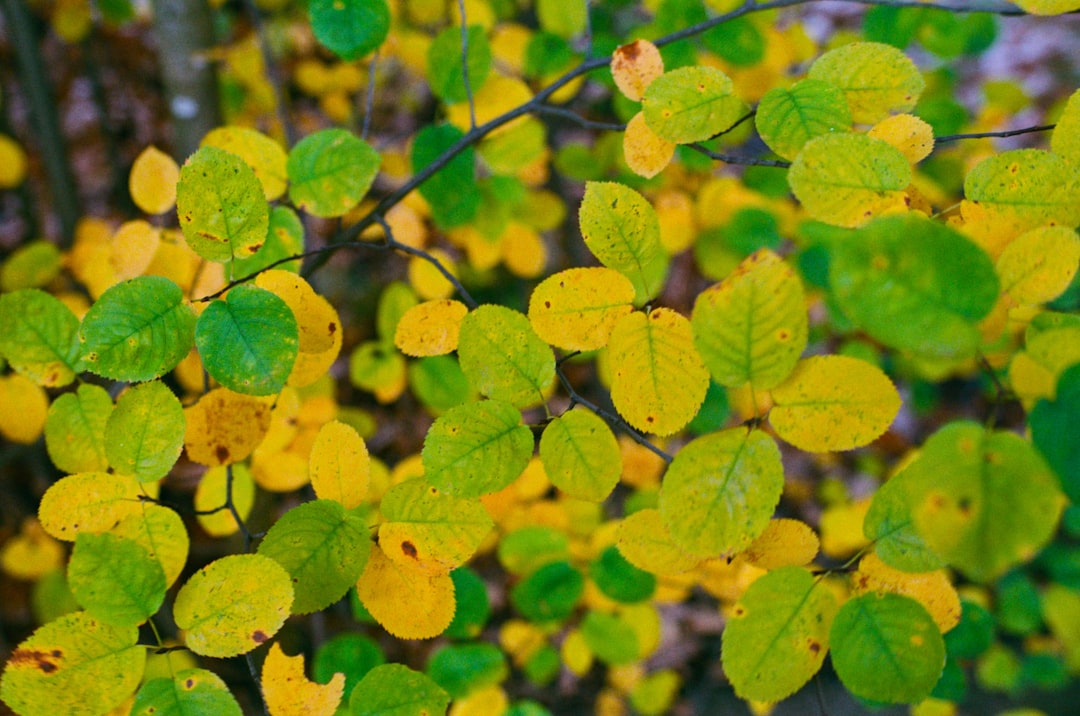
{"type": "Point", "coordinates": [732, 159]}
{"type": "Point", "coordinates": [1007, 133]}
{"type": "Point", "coordinates": [392, 243]}
{"type": "Point", "coordinates": [577, 119]}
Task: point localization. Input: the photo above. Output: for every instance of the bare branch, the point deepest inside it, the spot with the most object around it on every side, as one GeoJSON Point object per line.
{"type": "Point", "coordinates": [1006, 133]}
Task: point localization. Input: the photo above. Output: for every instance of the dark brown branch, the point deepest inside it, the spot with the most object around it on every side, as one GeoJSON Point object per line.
{"type": "Point", "coordinates": [1006, 133]}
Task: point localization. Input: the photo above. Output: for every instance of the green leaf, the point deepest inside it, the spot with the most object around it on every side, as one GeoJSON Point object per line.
{"type": "Point", "coordinates": [847, 179]}
{"type": "Point", "coordinates": [476, 448]}
{"type": "Point", "coordinates": [473, 605]}
{"type": "Point", "coordinates": [115, 579]}
{"type": "Point", "coordinates": [161, 533]}
{"type": "Point", "coordinates": [886, 647]}
{"type": "Point", "coordinates": [439, 383]}
{"type": "Point", "coordinates": [752, 327]}
{"type": "Point", "coordinates": [621, 229]}
{"type": "Point", "coordinates": [444, 63]}
{"type": "Point", "coordinates": [324, 549]}
{"type": "Point", "coordinates": [330, 171]}
{"type": "Point", "coordinates": [915, 285]}
{"type": "Point", "coordinates": [789, 117]}
{"type": "Point", "coordinates": [985, 501]}
{"type": "Point", "coordinates": [233, 605]}
{"type": "Point", "coordinates": [33, 265]}
{"type": "Point", "coordinates": [777, 635]}
{"type": "Point", "coordinates": [611, 638]}
{"type": "Point", "coordinates": [720, 491]}
{"type": "Point", "coordinates": [138, 330]}
{"type": "Point", "coordinates": [1054, 427]}
{"type": "Point", "coordinates": [39, 337]}
{"type": "Point", "coordinates": [350, 28]}
{"type": "Point", "coordinates": [973, 635]}
{"type": "Point", "coordinates": [738, 41]}
{"type": "Point", "coordinates": [877, 79]}
{"type": "Point", "coordinates": [248, 341]}
{"type": "Point", "coordinates": [691, 104]}
{"type": "Point", "coordinates": [890, 526]}
{"type": "Point", "coordinates": [581, 455]}
{"type": "Point", "coordinates": [145, 433]}
{"type": "Point", "coordinates": [422, 526]}
{"type": "Point", "coordinates": [527, 548]}
{"type": "Point", "coordinates": [550, 593]}
{"type": "Point", "coordinates": [75, 429]}
{"type": "Point", "coordinates": [189, 692]}
{"type": "Point", "coordinates": [1028, 187]}
{"type": "Point", "coordinates": [349, 653]}
{"type": "Point", "coordinates": [503, 358]}
{"type": "Point", "coordinates": [461, 669]}
{"type": "Point", "coordinates": [452, 191]}
{"type": "Point", "coordinates": [619, 579]}
{"type": "Point", "coordinates": [397, 690]}
{"type": "Point", "coordinates": [284, 237]}
{"type": "Point", "coordinates": [222, 208]}
{"type": "Point", "coordinates": [76, 666]}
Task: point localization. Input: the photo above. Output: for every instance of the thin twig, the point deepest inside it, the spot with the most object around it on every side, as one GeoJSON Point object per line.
{"type": "Point", "coordinates": [1006, 133]}
{"type": "Point", "coordinates": [733, 159]}
{"type": "Point", "coordinates": [393, 243]}
{"type": "Point", "coordinates": [465, 64]}
{"type": "Point", "coordinates": [577, 119]}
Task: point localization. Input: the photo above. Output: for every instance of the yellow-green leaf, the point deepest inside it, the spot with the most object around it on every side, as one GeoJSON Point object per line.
{"type": "Point", "coordinates": [233, 605]}
{"type": "Point", "coordinates": [581, 456]}
{"type": "Point", "coordinates": [784, 543]}
{"type": "Point", "coordinates": [1066, 137]}
{"type": "Point", "coordinates": [330, 171]}
{"type": "Point", "coordinates": [752, 327]}
{"type": "Point", "coordinates": [1038, 266]}
{"type": "Point", "coordinates": [931, 589]}
{"type": "Point", "coordinates": [502, 356]}
{"type": "Point", "coordinates": [1026, 187]}
{"type": "Point", "coordinates": [189, 691]}
{"type": "Point", "coordinates": [215, 486]}
{"type": "Point", "coordinates": [877, 79]}
{"type": "Point", "coordinates": [39, 337]}
{"type": "Point", "coordinates": [691, 104]}
{"type": "Point", "coordinates": [645, 543]}
{"type": "Point", "coordinates": [88, 501]}
{"type": "Point", "coordinates": [1048, 7]}
{"type": "Point", "coordinates": [833, 403]}
{"type": "Point", "coordinates": [789, 117]}
{"type": "Point", "coordinates": [75, 429]}
{"type": "Point", "coordinates": [576, 309]}
{"type": "Point", "coordinates": [265, 156]}
{"type": "Point", "coordinates": [115, 579]}
{"type": "Point", "coordinates": [658, 379]}
{"type": "Point", "coordinates": [145, 432]}
{"type": "Point", "coordinates": [161, 533]}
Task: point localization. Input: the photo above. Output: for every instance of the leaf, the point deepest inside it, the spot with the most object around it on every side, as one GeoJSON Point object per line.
{"type": "Point", "coordinates": [444, 63]}
{"type": "Point", "coordinates": [1065, 139]}
{"type": "Point", "coordinates": [350, 28]}
{"type": "Point", "coordinates": [877, 79]}
{"type": "Point", "coordinates": [833, 403]}
{"type": "Point", "coordinates": [225, 427]}
{"type": "Point", "coordinates": [222, 209]}
{"type": "Point", "coordinates": [550, 593]}
{"type": "Point", "coordinates": [452, 191]}
{"type": "Point", "coordinates": [397, 690]}
{"type": "Point", "coordinates": [886, 648]}
{"type": "Point", "coordinates": [525, 549]}
{"type": "Point", "coordinates": [503, 358]}
{"type": "Point", "coordinates": [575, 309]}
{"type": "Point", "coordinates": [190, 691]}
{"type": "Point", "coordinates": [611, 638]}
{"type": "Point", "coordinates": [115, 579]}
{"type": "Point", "coordinates": [75, 429]}
{"type": "Point", "coordinates": [145, 433]}
{"type": "Point", "coordinates": [31, 555]}
{"type": "Point", "coordinates": [88, 501]}
{"type": "Point", "coordinates": [659, 381]}
{"type": "Point", "coordinates": [848, 179]}
{"type": "Point", "coordinates": [350, 654]}
{"type": "Point", "coordinates": [752, 327]}
{"type": "Point", "coordinates": [1027, 188]}
{"type": "Point", "coordinates": [265, 156]}
{"type": "Point", "coordinates": [644, 541]}
{"type": "Point", "coordinates": [39, 337]}
{"type": "Point", "coordinates": [931, 589]}
{"type": "Point", "coordinates": [426, 529]}
{"type": "Point", "coordinates": [620, 580]}
{"type": "Point", "coordinates": [215, 487]}
{"type": "Point", "coordinates": [914, 285]}
{"type": "Point", "coordinates": [784, 543]}
{"type": "Point", "coordinates": [1034, 372]}
{"type": "Point", "coordinates": [634, 66]}
{"type": "Point", "coordinates": [439, 383]}
{"type": "Point", "coordinates": [430, 328]}
{"type": "Point", "coordinates": [691, 104]}
{"type": "Point", "coordinates": [1053, 424]}
{"type": "Point", "coordinates": [317, 322]}
{"type": "Point", "coordinates": [75, 666]}
{"type": "Point", "coordinates": [777, 634]}
{"type": "Point", "coordinates": [476, 448]}
{"type": "Point", "coordinates": [646, 153]}
{"type": "Point", "coordinates": [133, 248]}
{"type": "Point", "coordinates": [581, 456]}
{"type": "Point", "coordinates": [330, 171]}
{"type": "Point", "coordinates": [152, 181]}
{"type": "Point", "coordinates": [407, 601]}
{"type": "Point", "coordinates": [465, 669]}
{"type": "Point", "coordinates": [621, 229]}
{"type": "Point", "coordinates": [137, 330]}
{"type": "Point", "coordinates": [908, 133]}
{"type": "Point", "coordinates": [890, 526]}
{"type": "Point", "coordinates": [233, 605]}
{"type": "Point", "coordinates": [284, 238]}
{"type": "Point", "coordinates": [322, 547]}
{"type": "Point", "coordinates": [1048, 7]}
{"type": "Point", "coordinates": [789, 117]}
{"type": "Point", "coordinates": [1037, 266]}
{"type": "Point", "coordinates": [985, 501]}
{"type": "Point", "coordinates": [720, 491]}
{"type": "Point", "coordinates": [339, 465]}
{"type": "Point", "coordinates": [248, 342]}
{"type": "Point", "coordinates": [289, 693]}
{"type": "Point", "coordinates": [33, 265]}
{"type": "Point", "coordinates": [25, 409]}
{"type": "Point", "coordinates": [160, 532]}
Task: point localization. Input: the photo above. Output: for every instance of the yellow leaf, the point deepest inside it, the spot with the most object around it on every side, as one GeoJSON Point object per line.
{"type": "Point", "coordinates": [153, 181]}
{"type": "Point", "coordinates": [911, 135]}
{"type": "Point", "coordinates": [1038, 265]}
{"type": "Point", "coordinates": [225, 427]}
{"type": "Point", "coordinates": [523, 250]}
{"type": "Point", "coordinates": [1048, 7]}
{"type": "Point", "coordinates": [485, 701]}
{"type": "Point", "coordinates": [309, 367]}
{"type": "Point", "coordinates": [12, 163]}
{"type": "Point", "coordinates": [339, 465]}
{"type": "Point", "coordinates": [428, 281]}
{"type": "Point", "coordinates": [646, 154]}
{"type": "Point", "coordinates": [634, 66]}
{"type": "Point", "coordinates": [88, 501]}
{"type": "Point", "coordinates": [282, 471]}
{"type": "Point", "coordinates": [132, 249]}
{"type": "Point", "coordinates": [407, 602]}
{"type": "Point", "coordinates": [575, 653]}
{"type": "Point", "coordinates": [931, 589]}
{"type": "Point", "coordinates": [430, 328]}
{"type": "Point", "coordinates": [1066, 137]}
{"type": "Point", "coordinates": [498, 95]}
{"type": "Point", "coordinates": [213, 513]}
{"type": "Point", "coordinates": [23, 408]}
{"type": "Point", "coordinates": [289, 693]}
{"type": "Point", "coordinates": [784, 543]}
{"type": "Point", "coordinates": [576, 309]}
{"type": "Point", "coordinates": [841, 528]}
{"type": "Point", "coordinates": [659, 379]}
{"type": "Point", "coordinates": [675, 211]}
{"type": "Point", "coordinates": [877, 79]}
{"type": "Point", "coordinates": [31, 553]}
{"type": "Point", "coordinates": [1033, 372]}
{"type": "Point", "coordinates": [258, 151]}
{"type": "Point", "coordinates": [315, 318]}
{"type": "Point", "coordinates": [645, 543]}
{"type": "Point", "coordinates": [833, 403]}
